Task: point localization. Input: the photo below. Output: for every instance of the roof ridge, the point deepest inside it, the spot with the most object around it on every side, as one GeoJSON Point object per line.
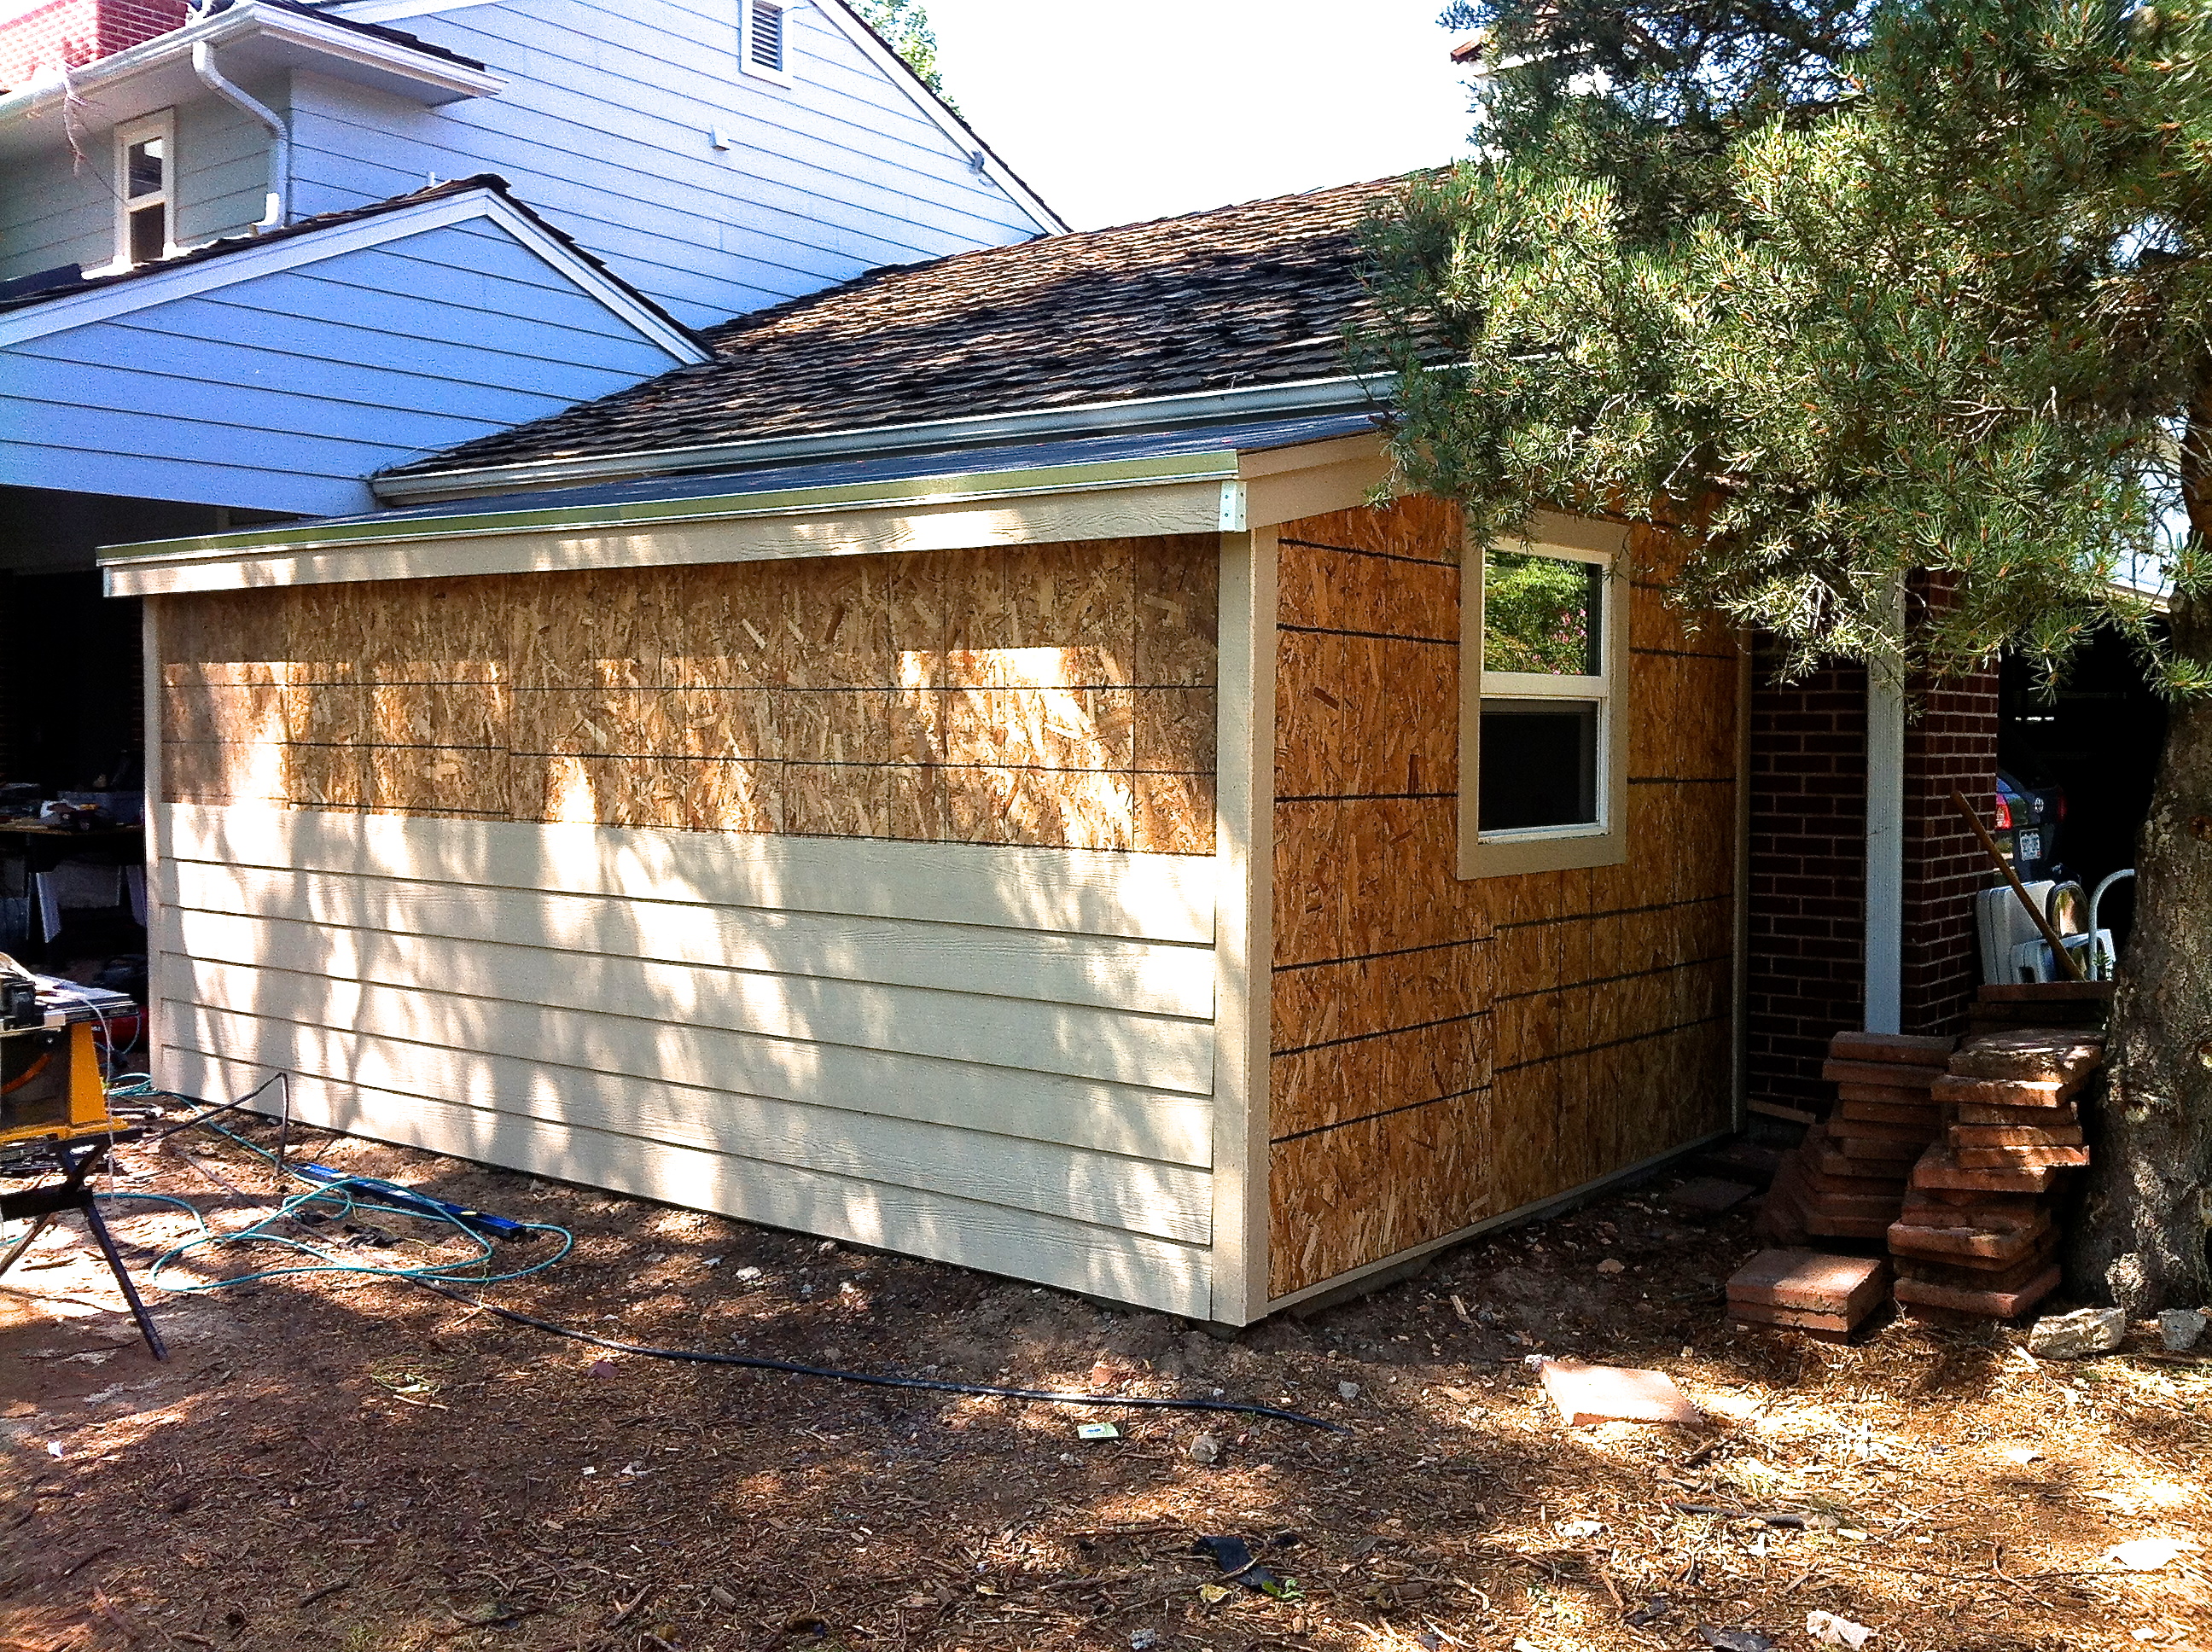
{"type": "Point", "coordinates": [752, 319]}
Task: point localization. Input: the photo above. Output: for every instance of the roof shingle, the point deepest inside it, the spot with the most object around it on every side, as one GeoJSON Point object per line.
{"type": "Point", "coordinates": [1244, 295]}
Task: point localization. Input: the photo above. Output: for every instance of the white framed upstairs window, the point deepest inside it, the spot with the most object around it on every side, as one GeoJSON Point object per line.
{"type": "Point", "coordinates": [764, 43]}
{"type": "Point", "coordinates": [145, 190]}
{"type": "Point", "coordinates": [1544, 703]}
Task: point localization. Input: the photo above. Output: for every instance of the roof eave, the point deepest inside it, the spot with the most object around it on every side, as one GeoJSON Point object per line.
{"type": "Point", "coordinates": [446, 79]}
{"type": "Point", "coordinates": [1094, 418]}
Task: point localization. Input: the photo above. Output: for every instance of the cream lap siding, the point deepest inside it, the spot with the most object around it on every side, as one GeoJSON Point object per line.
{"type": "Point", "coordinates": [996, 1056]}
{"type": "Point", "coordinates": [605, 128]}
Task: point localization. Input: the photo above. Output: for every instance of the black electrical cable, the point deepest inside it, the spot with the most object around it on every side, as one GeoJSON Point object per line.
{"type": "Point", "coordinates": [702, 1357]}
{"type": "Point", "coordinates": [154, 1137]}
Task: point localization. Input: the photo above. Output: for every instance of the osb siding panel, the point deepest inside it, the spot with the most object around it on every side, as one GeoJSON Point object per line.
{"type": "Point", "coordinates": [1445, 1052]}
{"type": "Point", "coordinates": [1059, 696]}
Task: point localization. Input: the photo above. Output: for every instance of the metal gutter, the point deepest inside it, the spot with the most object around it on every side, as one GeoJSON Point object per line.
{"type": "Point", "coordinates": [239, 23]}
{"type": "Point", "coordinates": [909, 491]}
{"type": "Point", "coordinates": [1091, 418]}
{"type": "Point", "coordinates": [278, 210]}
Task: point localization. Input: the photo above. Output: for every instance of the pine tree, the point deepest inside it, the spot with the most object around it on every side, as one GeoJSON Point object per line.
{"type": "Point", "coordinates": [1845, 292]}
{"type": "Point", "coordinates": [904, 27]}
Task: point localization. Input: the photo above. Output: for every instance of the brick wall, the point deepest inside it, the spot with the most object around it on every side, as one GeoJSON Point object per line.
{"type": "Point", "coordinates": [77, 31]}
{"type": "Point", "coordinates": [1808, 908]}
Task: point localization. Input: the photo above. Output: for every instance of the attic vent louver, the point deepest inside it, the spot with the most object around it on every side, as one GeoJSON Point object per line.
{"type": "Point", "coordinates": [767, 43]}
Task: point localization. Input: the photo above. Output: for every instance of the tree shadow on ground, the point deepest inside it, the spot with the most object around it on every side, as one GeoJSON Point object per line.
{"type": "Point", "coordinates": [328, 1465]}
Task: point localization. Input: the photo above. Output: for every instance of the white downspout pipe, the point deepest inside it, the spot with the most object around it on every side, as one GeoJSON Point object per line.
{"type": "Point", "coordinates": [278, 211]}
{"type": "Point", "coordinates": [1884, 842]}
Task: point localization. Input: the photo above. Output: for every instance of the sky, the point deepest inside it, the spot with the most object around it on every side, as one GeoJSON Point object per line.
{"type": "Point", "coordinates": [1144, 108]}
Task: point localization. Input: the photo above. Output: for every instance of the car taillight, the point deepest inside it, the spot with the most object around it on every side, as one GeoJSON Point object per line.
{"type": "Point", "coordinates": [2062, 806]}
{"type": "Point", "coordinates": [2004, 815]}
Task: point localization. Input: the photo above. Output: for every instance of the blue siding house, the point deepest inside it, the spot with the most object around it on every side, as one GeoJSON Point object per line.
{"type": "Point", "coordinates": [255, 251]}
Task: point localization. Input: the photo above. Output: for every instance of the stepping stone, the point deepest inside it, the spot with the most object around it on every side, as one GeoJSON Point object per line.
{"type": "Point", "coordinates": [1998, 1159]}
{"type": "Point", "coordinates": [1883, 1073]}
{"type": "Point", "coordinates": [2035, 1118]}
{"type": "Point", "coordinates": [2033, 1053]}
{"type": "Point", "coordinates": [1603, 1393]}
{"type": "Point", "coordinates": [1907, 1050]}
{"type": "Point", "coordinates": [1709, 1195]}
{"type": "Point", "coordinates": [1938, 1168]}
{"type": "Point", "coordinates": [1844, 1288]}
{"type": "Point", "coordinates": [1953, 1091]}
{"type": "Point", "coordinates": [1985, 1304]}
{"type": "Point", "coordinates": [1961, 1243]}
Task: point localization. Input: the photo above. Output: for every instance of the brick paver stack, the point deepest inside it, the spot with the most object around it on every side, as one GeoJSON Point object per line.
{"type": "Point", "coordinates": [1976, 1235]}
{"type": "Point", "coordinates": [1849, 1177]}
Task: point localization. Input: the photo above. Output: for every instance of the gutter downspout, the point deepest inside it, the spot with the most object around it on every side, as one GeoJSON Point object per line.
{"type": "Point", "coordinates": [278, 211]}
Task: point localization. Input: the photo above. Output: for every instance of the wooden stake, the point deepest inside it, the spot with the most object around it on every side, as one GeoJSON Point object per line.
{"type": "Point", "coordinates": [1997, 859]}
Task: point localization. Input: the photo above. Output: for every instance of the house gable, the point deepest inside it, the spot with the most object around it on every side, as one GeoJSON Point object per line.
{"type": "Point", "coordinates": [275, 376]}
{"type": "Point", "coordinates": [715, 190]}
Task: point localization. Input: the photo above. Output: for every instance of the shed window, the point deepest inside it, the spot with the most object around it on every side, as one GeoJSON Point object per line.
{"type": "Point", "coordinates": [1543, 717]}
{"type": "Point", "coordinates": [765, 49]}
{"type": "Point", "coordinates": [145, 176]}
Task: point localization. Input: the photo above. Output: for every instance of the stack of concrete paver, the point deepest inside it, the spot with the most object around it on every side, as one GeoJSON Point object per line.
{"type": "Point", "coordinates": [1976, 1235]}
{"type": "Point", "coordinates": [1851, 1170]}
{"type": "Point", "coordinates": [1823, 1295]}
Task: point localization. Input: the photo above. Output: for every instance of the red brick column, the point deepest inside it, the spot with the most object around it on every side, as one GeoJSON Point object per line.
{"type": "Point", "coordinates": [75, 32]}
{"type": "Point", "coordinates": [1808, 907]}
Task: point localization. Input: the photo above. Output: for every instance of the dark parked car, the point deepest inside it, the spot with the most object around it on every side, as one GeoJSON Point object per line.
{"type": "Point", "coordinates": [2029, 818]}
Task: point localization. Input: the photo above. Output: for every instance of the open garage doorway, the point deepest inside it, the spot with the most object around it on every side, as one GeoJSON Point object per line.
{"type": "Point", "coordinates": [2097, 742]}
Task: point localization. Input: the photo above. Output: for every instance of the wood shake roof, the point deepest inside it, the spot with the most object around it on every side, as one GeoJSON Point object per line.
{"type": "Point", "coordinates": [1253, 295]}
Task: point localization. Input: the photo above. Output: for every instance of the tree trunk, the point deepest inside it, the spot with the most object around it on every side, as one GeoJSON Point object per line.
{"type": "Point", "coordinates": [2149, 1199]}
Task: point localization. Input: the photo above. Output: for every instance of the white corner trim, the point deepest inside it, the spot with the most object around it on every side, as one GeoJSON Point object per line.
{"type": "Point", "coordinates": [292, 251]}
{"type": "Point", "coordinates": [1884, 846]}
{"type": "Point", "coordinates": [963, 137]}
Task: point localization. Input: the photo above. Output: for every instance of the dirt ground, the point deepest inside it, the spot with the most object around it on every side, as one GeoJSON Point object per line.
{"type": "Point", "coordinates": [329, 1464]}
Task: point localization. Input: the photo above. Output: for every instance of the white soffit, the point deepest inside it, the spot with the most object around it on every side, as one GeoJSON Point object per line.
{"type": "Point", "coordinates": [250, 41]}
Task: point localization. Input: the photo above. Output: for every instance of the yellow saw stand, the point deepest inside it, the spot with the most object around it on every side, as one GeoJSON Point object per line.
{"type": "Point", "coordinates": [54, 1123]}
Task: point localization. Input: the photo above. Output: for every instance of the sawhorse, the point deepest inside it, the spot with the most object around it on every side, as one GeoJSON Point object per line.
{"type": "Point", "coordinates": [76, 1163]}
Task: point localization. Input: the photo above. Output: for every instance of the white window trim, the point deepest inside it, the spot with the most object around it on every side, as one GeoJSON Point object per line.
{"type": "Point", "coordinates": [1549, 848]}
{"type": "Point", "coordinates": [162, 124]}
{"type": "Point", "coordinates": [782, 77]}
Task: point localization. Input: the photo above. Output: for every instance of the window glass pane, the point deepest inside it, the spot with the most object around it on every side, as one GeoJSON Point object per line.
{"type": "Point", "coordinates": [1541, 613]}
{"type": "Point", "coordinates": [149, 233]}
{"type": "Point", "coordinates": [147, 166]}
{"type": "Point", "coordinates": [1539, 764]}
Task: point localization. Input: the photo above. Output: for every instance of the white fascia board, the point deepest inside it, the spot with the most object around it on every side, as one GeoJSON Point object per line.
{"type": "Point", "coordinates": [962, 135]}
{"type": "Point", "coordinates": [1091, 418]}
{"type": "Point", "coordinates": [292, 251]}
{"type": "Point", "coordinates": [392, 11]}
{"type": "Point", "coordinates": [957, 508]}
{"type": "Point", "coordinates": [244, 22]}
{"type": "Point", "coordinates": [335, 40]}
